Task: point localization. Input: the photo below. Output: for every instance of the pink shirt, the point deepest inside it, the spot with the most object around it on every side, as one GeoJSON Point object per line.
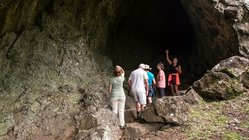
{"type": "Point", "coordinates": [161, 83]}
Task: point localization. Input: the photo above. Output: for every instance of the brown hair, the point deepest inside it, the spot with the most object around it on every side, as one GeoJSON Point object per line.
{"type": "Point", "coordinates": [161, 65]}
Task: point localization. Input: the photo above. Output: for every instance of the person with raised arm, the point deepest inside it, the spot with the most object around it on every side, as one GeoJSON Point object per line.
{"type": "Point", "coordinates": [174, 74]}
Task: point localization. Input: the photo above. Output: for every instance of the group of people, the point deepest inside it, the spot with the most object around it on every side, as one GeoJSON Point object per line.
{"type": "Point", "coordinates": [142, 83]}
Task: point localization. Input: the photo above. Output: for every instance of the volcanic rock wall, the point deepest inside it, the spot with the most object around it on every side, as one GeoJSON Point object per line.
{"type": "Point", "coordinates": [221, 29]}
{"type": "Point", "coordinates": [54, 64]}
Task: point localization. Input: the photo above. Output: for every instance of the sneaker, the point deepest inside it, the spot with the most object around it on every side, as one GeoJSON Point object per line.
{"type": "Point", "coordinates": [122, 127]}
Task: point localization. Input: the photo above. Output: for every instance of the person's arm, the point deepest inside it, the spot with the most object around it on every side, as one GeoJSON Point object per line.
{"type": "Point", "coordinates": [146, 83]}
{"type": "Point", "coordinates": [160, 76]}
{"type": "Point", "coordinates": [167, 57]}
{"type": "Point", "coordinates": [129, 82]}
{"type": "Point", "coordinates": [120, 68]}
{"type": "Point", "coordinates": [110, 88]}
{"type": "Point", "coordinates": [179, 69]}
{"type": "Point", "coordinates": [130, 79]}
{"type": "Point", "coordinates": [123, 73]}
{"type": "Point", "coordinates": [146, 86]}
{"type": "Point", "coordinates": [154, 81]}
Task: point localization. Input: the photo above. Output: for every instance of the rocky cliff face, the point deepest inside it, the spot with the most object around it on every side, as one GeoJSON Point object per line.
{"type": "Point", "coordinates": [49, 63]}
{"type": "Point", "coordinates": [220, 29]}
{"type": "Point", "coordinates": [55, 59]}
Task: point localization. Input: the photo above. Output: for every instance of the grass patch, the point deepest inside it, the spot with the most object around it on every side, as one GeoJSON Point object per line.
{"type": "Point", "coordinates": [215, 120]}
{"type": "Point", "coordinates": [206, 120]}
{"type": "Point", "coordinates": [246, 110]}
{"type": "Point", "coordinates": [233, 136]}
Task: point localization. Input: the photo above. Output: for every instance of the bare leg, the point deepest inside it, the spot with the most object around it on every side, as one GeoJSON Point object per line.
{"type": "Point", "coordinates": [172, 89]}
{"type": "Point", "coordinates": [138, 107]}
{"type": "Point", "coordinates": [176, 89]}
{"type": "Point", "coordinates": [142, 107]}
{"type": "Point", "coordinates": [150, 99]}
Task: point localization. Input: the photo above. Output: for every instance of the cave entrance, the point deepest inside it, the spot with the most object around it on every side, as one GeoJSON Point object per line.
{"type": "Point", "coordinates": [145, 29]}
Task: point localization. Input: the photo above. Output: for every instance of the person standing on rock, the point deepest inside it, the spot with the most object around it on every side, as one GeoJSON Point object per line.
{"type": "Point", "coordinates": [174, 74]}
{"type": "Point", "coordinates": [160, 80]}
{"type": "Point", "coordinates": [118, 95]}
{"type": "Point", "coordinates": [138, 82]}
{"type": "Point", "coordinates": [151, 82]}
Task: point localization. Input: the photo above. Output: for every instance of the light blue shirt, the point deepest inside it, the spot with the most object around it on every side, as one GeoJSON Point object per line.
{"type": "Point", "coordinates": [151, 77]}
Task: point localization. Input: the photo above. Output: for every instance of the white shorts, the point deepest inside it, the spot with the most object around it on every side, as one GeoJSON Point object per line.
{"type": "Point", "coordinates": [139, 97]}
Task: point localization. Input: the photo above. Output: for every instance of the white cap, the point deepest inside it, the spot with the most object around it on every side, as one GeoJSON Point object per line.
{"type": "Point", "coordinates": [147, 67]}
{"type": "Point", "coordinates": [142, 66]}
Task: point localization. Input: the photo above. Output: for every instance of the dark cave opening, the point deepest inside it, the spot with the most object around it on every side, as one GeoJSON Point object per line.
{"type": "Point", "coordinates": [145, 29]}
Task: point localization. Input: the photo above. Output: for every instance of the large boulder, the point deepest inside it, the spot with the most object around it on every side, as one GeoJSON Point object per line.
{"type": "Point", "coordinates": [226, 80]}
{"type": "Point", "coordinates": [171, 110]}
{"type": "Point", "coordinates": [150, 115]}
{"type": "Point", "coordinates": [101, 125]}
{"type": "Point", "coordinates": [192, 97]}
{"type": "Point", "coordinates": [245, 79]}
{"type": "Point", "coordinates": [243, 31]}
{"type": "Point", "coordinates": [234, 66]}
{"type": "Point", "coordinates": [218, 85]}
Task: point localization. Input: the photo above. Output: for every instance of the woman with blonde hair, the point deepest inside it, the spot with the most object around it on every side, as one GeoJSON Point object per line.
{"type": "Point", "coordinates": [118, 95]}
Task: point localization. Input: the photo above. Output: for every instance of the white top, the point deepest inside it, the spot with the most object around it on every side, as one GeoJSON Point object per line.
{"type": "Point", "coordinates": [137, 78]}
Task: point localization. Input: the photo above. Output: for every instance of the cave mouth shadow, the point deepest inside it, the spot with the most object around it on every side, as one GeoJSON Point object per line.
{"type": "Point", "coordinates": [144, 30]}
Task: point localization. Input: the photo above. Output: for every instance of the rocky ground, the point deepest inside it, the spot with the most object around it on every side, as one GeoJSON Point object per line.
{"type": "Point", "coordinates": [207, 120]}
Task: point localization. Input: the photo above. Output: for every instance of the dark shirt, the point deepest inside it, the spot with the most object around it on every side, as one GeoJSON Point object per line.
{"type": "Point", "coordinates": [172, 69]}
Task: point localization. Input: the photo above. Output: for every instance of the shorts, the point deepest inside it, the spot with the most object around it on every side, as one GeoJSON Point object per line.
{"type": "Point", "coordinates": [161, 92]}
{"type": "Point", "coordinates": [140, 97]}
{"type": "Point", "coordinates": [151, 91]}
{"type": "Point", "coordinates": [173, 79]}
